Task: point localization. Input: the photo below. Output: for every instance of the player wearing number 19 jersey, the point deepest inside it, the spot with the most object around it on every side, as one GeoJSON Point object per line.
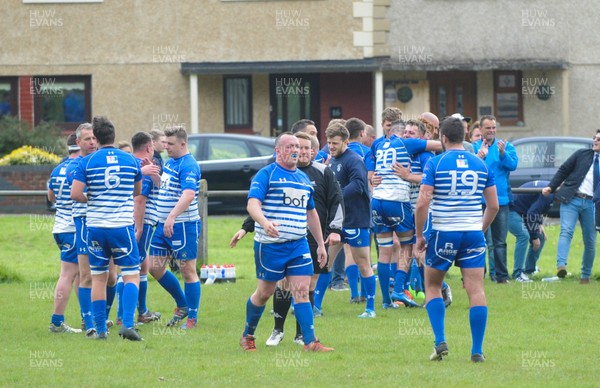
{"type": "Point", "coordinates": [112, 178]}
{"type": "Point", "coordinates": [455, 182]}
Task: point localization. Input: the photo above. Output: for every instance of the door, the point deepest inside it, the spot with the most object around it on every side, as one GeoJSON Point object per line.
{"type": "Point", "coordinates": [453, 92]}
{"type": "Point", "coordinates": [293, 97]}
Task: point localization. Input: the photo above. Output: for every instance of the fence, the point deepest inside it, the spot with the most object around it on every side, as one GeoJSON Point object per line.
{"type": "Point", "coordinates": [203, 208]}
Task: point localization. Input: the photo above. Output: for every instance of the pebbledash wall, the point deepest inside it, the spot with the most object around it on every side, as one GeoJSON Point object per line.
{"type": "Point", "coordinates": [24, 178]}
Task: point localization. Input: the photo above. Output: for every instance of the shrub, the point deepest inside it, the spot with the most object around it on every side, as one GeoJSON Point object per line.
{"type": "Point", "coordinates": [28, 155]}
{"type": "Point", "coordinates": [15, 133]}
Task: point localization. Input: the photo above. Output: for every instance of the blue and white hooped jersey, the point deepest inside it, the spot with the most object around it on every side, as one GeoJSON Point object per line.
{"type": "Point", "coordinates": [178, 175]}
{"type": "Point", "coordinates": [285, 197]}
{"type": "Point", "coordinates": [110, 175]}
{"type": "Point", "coordinates": [150, 191]}
{"type": "Point", "coordinates": [79, 209]}
{"type": "Point", "coordinates": [394, 149]}
{"type": "Point", "coordinates": [458, 179]}
{"type": "Point", "coordinates": [63, 219]}
{"type": "Point", "coordinates": [417, 164]}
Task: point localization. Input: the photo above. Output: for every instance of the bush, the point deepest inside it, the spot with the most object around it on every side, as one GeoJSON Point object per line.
{"type": "Point", "coordinates": [28, 155]}
{"type": "Point", "coordinates": [15, 133]}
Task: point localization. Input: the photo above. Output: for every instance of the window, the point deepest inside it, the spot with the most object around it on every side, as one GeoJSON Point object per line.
{"type": "Point", "coordinates": [8, 96]}
{"type": "Point", "coordinates": [237, 93]}
{"type": "Point", "coordinates": [222, 149]}
{"type": "Point", "coordinates": [64, 100]}
{"type": "Point", "coordinates": [565, 149]}
{"type": "Point", "coordinates": [508, 99]}
{"type": "Point", "coordinates": [532, 154]}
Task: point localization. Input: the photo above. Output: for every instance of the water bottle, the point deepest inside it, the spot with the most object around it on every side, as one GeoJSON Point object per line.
{"type": "Point", "coordinates": [203, 272]}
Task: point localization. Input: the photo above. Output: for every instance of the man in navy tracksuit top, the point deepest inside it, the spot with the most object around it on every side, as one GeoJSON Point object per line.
{"type": "Point", "coordinates": [351, 173]}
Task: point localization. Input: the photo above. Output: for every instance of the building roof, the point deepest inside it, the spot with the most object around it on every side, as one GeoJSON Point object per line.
{"type": "Point", "coordinates": [366, 65]}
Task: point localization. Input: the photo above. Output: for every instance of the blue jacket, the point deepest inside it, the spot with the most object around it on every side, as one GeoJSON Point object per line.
{"type": "Point", "coordinates": [501, 166]}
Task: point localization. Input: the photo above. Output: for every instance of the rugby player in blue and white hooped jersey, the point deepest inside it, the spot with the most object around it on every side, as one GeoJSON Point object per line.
{"type": "Point", "coordinates": [178, 228]}
{"type": "Point", "coordinates": [59, 191]}
{"type": "Point", "coordinates": [415, 129]}
{"type": "Point", "coordinates": [87, 143]}
{"type": "Point", "coordinates": [145, 214]}
{"type": "Point", "coordinates": [454, 182]}
{"type": "Point", "coordinates": [281, 203]}
{"type": "Point", "coordinates": [113, 178]}
{"type": "Point", "coordinates": [392, 210]}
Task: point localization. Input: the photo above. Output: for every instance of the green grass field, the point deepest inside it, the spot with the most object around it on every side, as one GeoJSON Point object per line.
{"type": "Point", "coordinates": [540, 334]}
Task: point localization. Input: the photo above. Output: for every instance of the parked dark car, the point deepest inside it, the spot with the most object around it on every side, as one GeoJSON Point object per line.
{"type": "Point", "coordinates": [540, 158]}
{"type": "Point", "coordinates": [229, 162]}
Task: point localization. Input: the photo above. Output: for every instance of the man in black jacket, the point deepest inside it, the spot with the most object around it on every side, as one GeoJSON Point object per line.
{"type": "Point", "coordinates": [577, 177]}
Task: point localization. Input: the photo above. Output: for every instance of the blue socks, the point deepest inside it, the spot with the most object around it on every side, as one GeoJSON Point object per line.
{"type": "Point", "coordinates": [99, 308]}
{"type": "Point", "coordinates": [110, 298]}
{"type": "Point", "coordinates": [57, 320]}
{"type": "Point", "coordinates": [170, 283]}
{"type": "Point", "coordinates": [192, 297]}
{"type": "Point", "coordinates": [478, 320]}
{"type": "Point", "coordinates": [352, 275]}
{"type": "Point", "coordinates": [142, 308]}
{"type": "Point", "coordinates": [304, 316]}
{"type": "Point", "coordinates": [120, 297]}
{"type": "Point", "coordinates": [253, 314]}
{"type": "Point", "coordinates": [370, 287]}
{"type": "Point", "coordinates": [399, 281]}
{"type": "Point", "coordinates": [383, 271]}
{"type": "Point", "coordinates": [85, 305]}
{"type": "Point", "coordinates": [320, 288]}
{"type": "Point", "coordinates": [437, 313]}
{"type": "Point", "coordinates": [130, 298]}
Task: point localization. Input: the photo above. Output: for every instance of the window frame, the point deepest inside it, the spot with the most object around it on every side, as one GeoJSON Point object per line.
{"type": "Point", "coordinates": [14, 94]}
{"type": "Point", "coordinates": [516, 89]}
{"type": "Point", "coordinates": [247, 126]}
{"type": "Point", "coordinates": [66, 126]}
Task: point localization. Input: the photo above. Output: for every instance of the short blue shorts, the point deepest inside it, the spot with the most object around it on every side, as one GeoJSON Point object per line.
{"type": "Point", "coordinates": [183, 245]}
{"type": "Point", "coordinates": [118, 243]}
{"type": "Point", "coordinates": [66, 244]}
{"type": "Point", "coordinates": [144, 243]}
{"type": "Point", "coordinates": [80, 235]}
{"type": "Point", "coordinates": [464, 249]}
{"type": "Point", "coordinates": [392, 216]}
{"type": "Point", "coordinates": [357, 237]}
{"type": "Point", "coordinates": [276, 261]}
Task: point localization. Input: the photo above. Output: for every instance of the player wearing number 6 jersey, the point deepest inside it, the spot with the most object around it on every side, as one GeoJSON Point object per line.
{"type": "Point", "coordinates": [454, 183]}
{"type": "Point", "coordinates": [113, 178]}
